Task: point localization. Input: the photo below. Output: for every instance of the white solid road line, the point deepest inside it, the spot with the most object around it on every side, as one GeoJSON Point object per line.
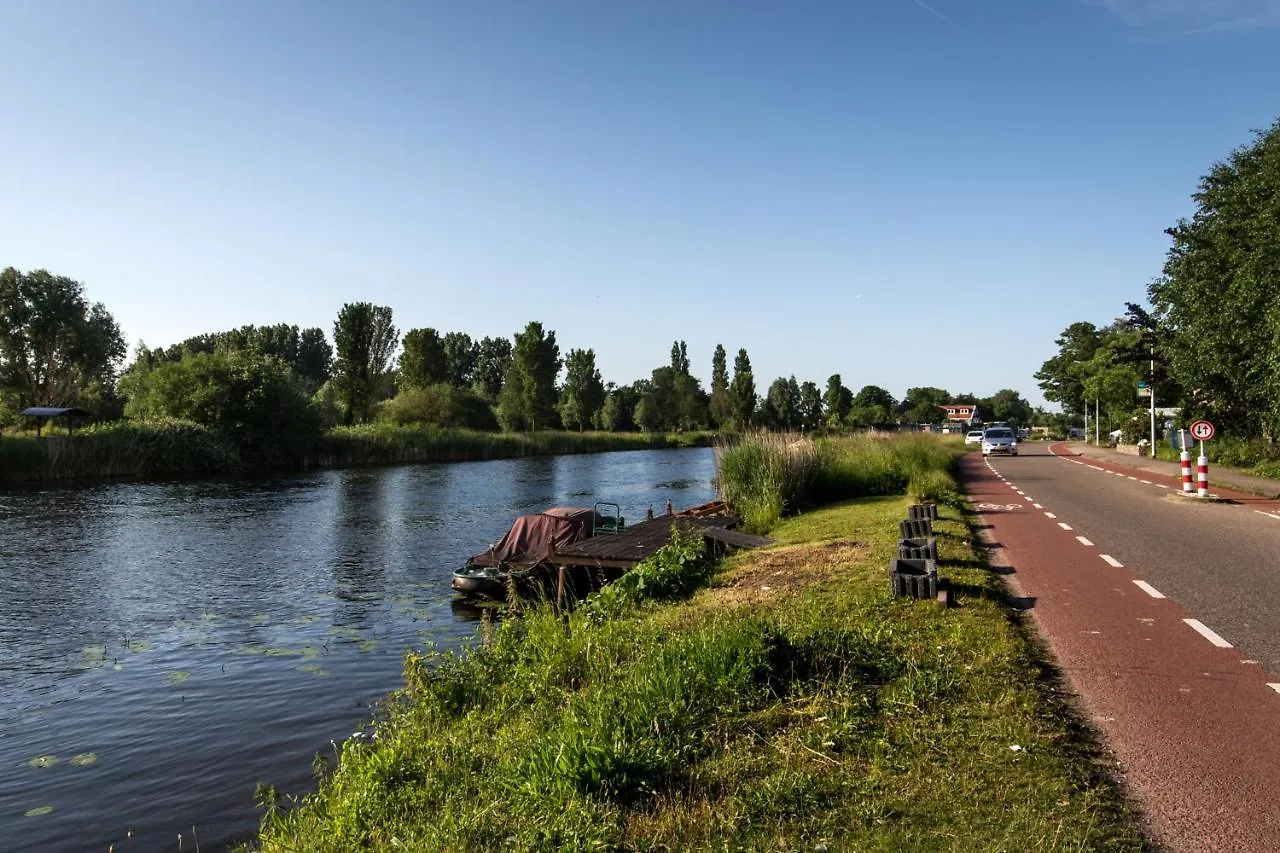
{"type": "Point", "coordinates": [1049, 515]}
{"type": "Point", "coordinates": [1201, 629]}
{"type": "Point", "coordinates": [1085, 542]}
{"type": "Point", "coordinates": [1161, 486]}
{"type": "Point", "coordinates": [1097, 468]}
{"type": "Point", "coordinates": [1065, 526]}
{"type": "Point", "coordinates": [1112, 561]}
{"type": "Point", "coordinates": [1267, 514]}
{"type": "Point", "coordinates": [1149, 589]}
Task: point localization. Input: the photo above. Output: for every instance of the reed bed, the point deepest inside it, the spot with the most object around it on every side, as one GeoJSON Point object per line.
{"type": "Point", "coordinates": [766, 476]}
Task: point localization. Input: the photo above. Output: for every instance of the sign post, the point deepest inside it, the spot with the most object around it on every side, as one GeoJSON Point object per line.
{"type": "Point", "coordinates": [1202, 431]}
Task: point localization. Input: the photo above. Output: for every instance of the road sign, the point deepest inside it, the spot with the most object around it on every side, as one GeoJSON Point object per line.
{"type": "Point", "coordinates": [1202, 430]}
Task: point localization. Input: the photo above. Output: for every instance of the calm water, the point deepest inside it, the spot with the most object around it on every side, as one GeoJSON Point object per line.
{"type": "Point", "coordinates": [164, 647]}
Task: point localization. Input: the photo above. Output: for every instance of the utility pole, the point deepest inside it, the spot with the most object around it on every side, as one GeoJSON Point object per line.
{"type": "Point", "coordinates": [1152, 386]}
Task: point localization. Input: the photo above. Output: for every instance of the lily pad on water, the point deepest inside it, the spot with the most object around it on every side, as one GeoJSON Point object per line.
{"type": "Point", "coordinates": [179, 676]}
{"type": "Point", "coordinates": [260, 620]}
{"type": "Point", "coordinates": [279, 652]}
{"type": "Point", "coordinates": [138, 646]}
{"type": "Point", "coordinates": [209, 616]}
{"type": "Point", "coordinates": [38, 812]}
{"type": "Point", "coordinates": [367, 645]}
{"type": "Point", "coordinates": [315, 669]}
{"type": "Point", "coordinates": [43, 761]}
{"type": "Point", "coordinates": [309, 652]}
{"type": "Point", "coordinates": [309, 620]}
{"type": "Point", "coordinates": [84, 759]}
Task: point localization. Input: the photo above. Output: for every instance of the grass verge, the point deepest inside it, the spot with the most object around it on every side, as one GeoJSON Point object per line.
{"type": "Point", "coordinates": [793, 704]}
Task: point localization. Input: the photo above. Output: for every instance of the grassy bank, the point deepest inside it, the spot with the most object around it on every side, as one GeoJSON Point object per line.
{"type": "Point", "coordinates": [116, 449]}
{"type": "Point", "coordinates": [385, 443]}
{"type": "Point", "coordinates": [155, 449]}
{"type": "Point", "coordinates": [790, 704]}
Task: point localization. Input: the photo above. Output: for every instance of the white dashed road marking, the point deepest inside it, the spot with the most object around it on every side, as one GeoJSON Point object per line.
{"type": "Point", "coordinates": [1085, 542]}
{"type": "Point", "coordinates": [1149, 589]}
{"type": "Point", "coordinates": [1064, 525]}
{"type": "Point", "coordinates": [1201, 629]}
{"type": "Point", "coordinates": [1037, 506]}
{"type": "Point", "coordinates": [1111, 561]}
{"type": "Point", "coordinates": [1049, 515]}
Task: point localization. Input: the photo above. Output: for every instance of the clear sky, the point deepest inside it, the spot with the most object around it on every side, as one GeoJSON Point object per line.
{"type": "Point", "coordinates": [901, 192]}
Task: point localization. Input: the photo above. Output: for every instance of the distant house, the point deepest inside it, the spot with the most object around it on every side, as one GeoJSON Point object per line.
{"type": "Point", "coordinates": [961, 414]}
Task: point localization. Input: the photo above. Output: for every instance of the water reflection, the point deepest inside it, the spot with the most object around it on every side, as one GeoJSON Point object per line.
{"type": "Point", "coordinates": [200, 638]}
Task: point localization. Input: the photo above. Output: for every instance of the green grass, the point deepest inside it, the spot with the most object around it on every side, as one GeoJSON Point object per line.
{"type": "Point", "coordinates": [116, 449]}
{"type": "Point", "coordinates": [388, 443]}
{"type": "Point", "coordinates": [791, 703]}
{"type": "Point", "coordinates": [766, 476]}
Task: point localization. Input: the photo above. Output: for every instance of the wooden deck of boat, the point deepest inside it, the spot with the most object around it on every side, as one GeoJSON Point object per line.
{"type": "Point", "coordinates": [623, 550]}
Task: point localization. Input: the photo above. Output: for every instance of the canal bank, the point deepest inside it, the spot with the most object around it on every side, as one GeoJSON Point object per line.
{"type": "Point", "coordinates": [790, 704]}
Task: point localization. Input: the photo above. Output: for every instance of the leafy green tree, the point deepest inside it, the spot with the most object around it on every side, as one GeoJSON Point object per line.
{"type": "Point", "coordinates": [874, 395]}
{"type": "Point", "coordinates": [1217, 292]}
{"type": "Point", "coordinates": [618, 414]}
{"type": "Point", "coordinates": [1008, 406]}
{"type": "Point", "coordinates": [742, 391]}
{"type": "Point", "coordinates": [422, 361]}
{"type": "Point", "coordinates": [535, 363]}
{"type": "Point", "coordinates": [810, 407]}
{"type": "Point", "coordinates": [781, 407]}
{"type": "Point", "coordinates": [647, 416]}
{"type": "Point", "coordinates": [1062, 376]}
{"type": "Point", "coordinates": [583, 392]}
{"type": "Point", "coordinates": [679, 358]}
{"type": "Point", "coordinates": [924, 405]}
{"type": "Point", "coordinates": [691, 402]}
{"type": "Point", "coordinates": [720, 407]}
{"type": "Point", "coordinates": [314, 362]}
{"type": "Point", "coordinates": [365, 340]}
{"type": "Point", "coordinates": [493, 361]}
{"type": "Point", "coordinates": [56, 349]}
{"type": "Point", "coordinates": [461, 357]}
{"type": "Point", "coordinates": [253, 399]}
{"type": "Point", "coordinates": [837, 402]}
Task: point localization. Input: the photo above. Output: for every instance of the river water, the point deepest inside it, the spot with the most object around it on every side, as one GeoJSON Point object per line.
{"type": "Point", "coordinates": [165, 647]}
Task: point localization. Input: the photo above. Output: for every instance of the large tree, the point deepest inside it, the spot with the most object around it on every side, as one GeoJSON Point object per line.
{"type": "Point", "coordinates": [422, 360]}
{"type": "Point", "coordinates": [1217, 292]}
{"type": "Point", "coordinates": [583, 392]}
{"type": "Point", "coordinates": [535, 363]}
{"type": "Point", "coordinates": [837, 402]}
{"type": "Point", "coordinates": [924, 405]}
{"type": "Point", "coordinates": [365, 340]}
{"type": "Point", "coordinates": [781, 406]}
{"type": "Point", "coordinates": [720, 407]}
{"type": "Point", "coordinates": [1062, 377]}
{"type": "Point", "coordinates": [493, 361]}
{"type": "Point", "coordinates": [810, 407]}
{"type": "Point", "coordinates": [742, 391]}
{"type": "Point", "coordinates": [56, 349]}
{"type": "Point", "coordinates": [461, 355]}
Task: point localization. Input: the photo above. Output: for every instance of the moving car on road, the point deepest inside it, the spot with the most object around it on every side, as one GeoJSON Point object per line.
{"type": "Point", "coordinates": [999, 440]}
{"type": "Point", "coordinates": [974, 436]}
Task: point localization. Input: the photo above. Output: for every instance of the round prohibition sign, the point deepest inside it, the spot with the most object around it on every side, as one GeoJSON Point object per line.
{"type": "Point", "coordinates": [1202, 430]}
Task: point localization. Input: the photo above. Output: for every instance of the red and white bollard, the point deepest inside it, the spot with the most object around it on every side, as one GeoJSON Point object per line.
{"type": "Point", "coordinates": [1186, 472]}
{"type": "Point", "coordinates": [1202, 476]}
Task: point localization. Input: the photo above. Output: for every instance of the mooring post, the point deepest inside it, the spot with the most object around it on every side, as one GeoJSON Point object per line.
{"type": "Point", "coordinates": [560, 576]}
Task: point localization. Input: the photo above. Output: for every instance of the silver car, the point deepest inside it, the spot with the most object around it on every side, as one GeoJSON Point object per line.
{"type": "Point", "coordinates": [999, 440]}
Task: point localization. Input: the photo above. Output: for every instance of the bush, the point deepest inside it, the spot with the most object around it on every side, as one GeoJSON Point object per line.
{"type": "Point", "coordinates": [439, 405]}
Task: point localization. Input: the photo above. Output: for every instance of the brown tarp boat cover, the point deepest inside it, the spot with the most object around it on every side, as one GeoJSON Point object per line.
{"type": "Point", "coordinates": [533, 538]}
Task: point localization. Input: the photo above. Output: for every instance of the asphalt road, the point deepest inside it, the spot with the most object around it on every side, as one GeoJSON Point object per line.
{"type": "Point", "coordinates": [1219, 561]}
{"type": "Point", "coordinates": [1163, 620]}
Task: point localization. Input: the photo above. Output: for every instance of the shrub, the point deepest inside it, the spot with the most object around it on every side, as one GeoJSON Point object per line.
{"type": "Point", "coordinates": [439, 405]}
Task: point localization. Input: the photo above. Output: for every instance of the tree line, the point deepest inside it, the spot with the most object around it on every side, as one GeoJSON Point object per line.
{"type": "Point", "coordinates": [274, 388]}
{"type": "Point", "coordinates": [1210, 345]}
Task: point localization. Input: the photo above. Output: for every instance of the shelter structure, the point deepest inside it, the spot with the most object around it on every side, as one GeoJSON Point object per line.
{"type": "Point", "coordinates": [48, 413]}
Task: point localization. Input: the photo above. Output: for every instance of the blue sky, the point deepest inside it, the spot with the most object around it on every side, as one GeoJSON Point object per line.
{"type": "Point", "coordinates": [900, 192]}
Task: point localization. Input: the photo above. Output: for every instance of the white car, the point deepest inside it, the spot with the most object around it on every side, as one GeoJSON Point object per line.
{"type": "Point", "coordinates": [999, 440]}
{"type": "Point", "coordinates": [974, 436]}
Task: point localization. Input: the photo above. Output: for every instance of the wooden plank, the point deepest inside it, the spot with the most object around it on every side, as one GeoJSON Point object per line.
{"type": "Point", "coordinates": [736, 538]}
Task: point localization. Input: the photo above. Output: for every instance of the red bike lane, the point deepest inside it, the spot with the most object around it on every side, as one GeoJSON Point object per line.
{"type": "Point", "coordinates": [1194, 727]}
